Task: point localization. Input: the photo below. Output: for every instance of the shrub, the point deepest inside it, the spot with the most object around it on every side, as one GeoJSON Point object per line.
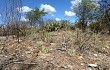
{"type": "Point", "coordinates": [40, 43]}
{"type": "Point", "coordinates": [34, 36]}
{"type": "Point", "coordinates": [35, 29]}
{"type": "Point", "coordinates": [95, 26]}
{"type": "Point", "coordinates": [44, 49]}
{"type": "Point", "coordinates": [71, 52]}
{"type": "Point", "coordinates": [64, 24]}
{"type": "Point", "coordinates": [80, 25]}
{"type": "Point", "coordinates": [52, 26]}
{"type": "Point", "coordinates": [72, 27]}
{"type": "Point", "coordinates": [56, 26]}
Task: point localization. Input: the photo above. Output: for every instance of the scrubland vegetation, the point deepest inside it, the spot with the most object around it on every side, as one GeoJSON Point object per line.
{"type": "Point", "coordinates": [58, 45]}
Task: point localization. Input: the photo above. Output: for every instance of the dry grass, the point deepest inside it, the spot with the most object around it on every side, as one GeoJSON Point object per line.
{"type": "Point", "coordinates": [89, 48]}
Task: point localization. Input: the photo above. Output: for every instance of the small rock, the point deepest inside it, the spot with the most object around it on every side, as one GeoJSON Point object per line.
{"type": "Point", "coordinates": [80, 57]}
{"type": "Point", "coordinates": [29, 56]}
{"type": "Point", "coordinates": [107, 47]}
{"type": "Point", "coordinates": [70, 66]}
{"type": "Point", "coordinates": [82, 64]}
{"type": "Point", "coordinates": [88, 69]}
{"type": "Point", "coordinates": [53, 44]}
{"type": "Point", "coordinates": [92, 65]}
{"type": "Point", "coordinates": [46, 44]}
{"type": "Point", "coordinates": [95, 54]}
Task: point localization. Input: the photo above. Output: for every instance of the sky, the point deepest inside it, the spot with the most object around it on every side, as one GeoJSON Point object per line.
{"type": "Point", "coordinates": [58, 10]}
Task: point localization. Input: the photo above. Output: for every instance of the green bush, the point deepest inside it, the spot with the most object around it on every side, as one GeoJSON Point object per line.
{"type": "Point", "coordinates": [34, 36]}
{"type": "Point", "coordinates": [64, 24]}
{"type": "Point", "coordinates": [52, 26]}
{"type": "Point", "coordinates": [95, 26]}
{"type": "Point", "coordinates": [35, 29]}
{"type": "Point", "coordinates": [80, 25]}
{"type": "Point", "coordinates": [44, 49]}
{"type": "Point", "coordinates": [56, 26]}
{"type": "Point", "coordinates": [40, 43]}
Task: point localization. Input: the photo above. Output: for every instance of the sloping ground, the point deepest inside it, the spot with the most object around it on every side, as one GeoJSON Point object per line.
{"type": "Point", "coordinates": [26, 56]}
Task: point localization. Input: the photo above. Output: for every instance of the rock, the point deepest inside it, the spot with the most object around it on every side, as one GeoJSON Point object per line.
{"type": "Point", "coordinates": [82, 64]}
{"type": "Point", "coordinates": [95, 55]}
{"type": "Point", "coordinates": [92, 65]}
{"type": "Point", "coordinates": [80, 57]}
{"type": "Point", "coordinates": [88, 69]}
{"type": "Point", "coordinates": [16, 67]}
{"type": "Point", "coordinates": [46, 44]}
{"type": "Point", "coordinates": [53, 44]}
{"type": "Point", "coordinates": [70, 66]}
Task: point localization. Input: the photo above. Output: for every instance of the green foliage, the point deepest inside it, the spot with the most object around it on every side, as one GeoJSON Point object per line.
{"type": "Point", "coordinates": [40, 43]}
{"type": "Point", "coordinates": [34, 36]}
{"type": "Point", "coordinates": [95, 26]}
{"type": "Point", "coordinates": [64, 24]}
{"type": "Point", "coordinates": [85, 12]}
{"type": "Point", "coordinates": [44, 49]}
{"type": "Point", "coordinates": [56, 26]}
{"type": "Point", "coordinates": [41, 46]}
{"type": "Point", "coordinates": [34, 29]}
{"type": "Point", "coordinates": [72, 27]}
{"type": "Point", "coordinates": [80, 25]}
{"type": "Point", "coordinates": [71, 52]}
{"type": "Point", "coordinates": [52, 26]}
{"type": "Point", "coordinates": [35, 15]}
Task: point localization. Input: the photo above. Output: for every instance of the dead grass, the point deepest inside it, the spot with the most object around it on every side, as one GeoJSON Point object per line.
{"type": "Point", "coordinates": [90, 48]}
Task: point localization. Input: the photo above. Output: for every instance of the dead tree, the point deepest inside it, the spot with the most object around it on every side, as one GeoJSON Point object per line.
{"type": "Point", "coordinates": [11, 17]}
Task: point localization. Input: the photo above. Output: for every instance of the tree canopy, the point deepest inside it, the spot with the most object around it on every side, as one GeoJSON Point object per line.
{"type": "Point", "coordinates": [84, 11]}
{"type": "Point", "coordinates": [35, 16]}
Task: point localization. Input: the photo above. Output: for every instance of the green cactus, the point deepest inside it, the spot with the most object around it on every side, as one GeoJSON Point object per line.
{"type": "Point", "coordinates": [40, 43]}
{"type": "Point", "coordinates": [44, 49]}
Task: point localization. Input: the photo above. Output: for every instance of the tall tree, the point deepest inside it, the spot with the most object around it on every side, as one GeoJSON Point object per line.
{"type": "Point", "coordinates": [85, 12]}
{"type": "Point", "coordinates": [104, 16]}
{"type": "Point", "coordinates": [35, 16]}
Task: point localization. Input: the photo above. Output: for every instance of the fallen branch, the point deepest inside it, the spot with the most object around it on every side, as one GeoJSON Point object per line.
{"type": "Point", "coordinates": [26, 63]}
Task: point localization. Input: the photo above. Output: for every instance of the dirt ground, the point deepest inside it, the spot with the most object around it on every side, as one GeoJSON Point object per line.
{"type": "Point", "coordinates": [27, 56]}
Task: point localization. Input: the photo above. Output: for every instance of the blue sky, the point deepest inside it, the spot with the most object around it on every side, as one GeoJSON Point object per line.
{"type": "Point", "coordinates": [60, 7]}
{"type": "Point", "coordinates": [57, 9]}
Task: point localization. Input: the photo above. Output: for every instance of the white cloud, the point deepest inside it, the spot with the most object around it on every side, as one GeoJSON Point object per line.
{"type": "Point", "coordinates": [57, 19]}
{"type": "Point", "coordinates": [47, 8]}
{"type": "Point", "coordinates": [69, 13]}
{"type": "Point", "coordinates": [52, 15]}
{"type": "Point", "coordinates": [23, 18]}
{"type": "Point", "coordinates": [24, 9]}
{"type": "Point", "coordinates": [75, 2]}
{"type": "Point", "coordinates": [96, 0]}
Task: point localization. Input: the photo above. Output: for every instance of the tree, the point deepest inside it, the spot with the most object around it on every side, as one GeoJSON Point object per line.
{"type": "Point", "coordinates": [65, 24]}
{"type": "Point", "coordinates": [104, 16]}
{"type": "Point", "coordinates": [35, 16]}
{"type": "Point", "coordinates": [85, 12]}
{"type": "Point", "coordinates": [95, 27]}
